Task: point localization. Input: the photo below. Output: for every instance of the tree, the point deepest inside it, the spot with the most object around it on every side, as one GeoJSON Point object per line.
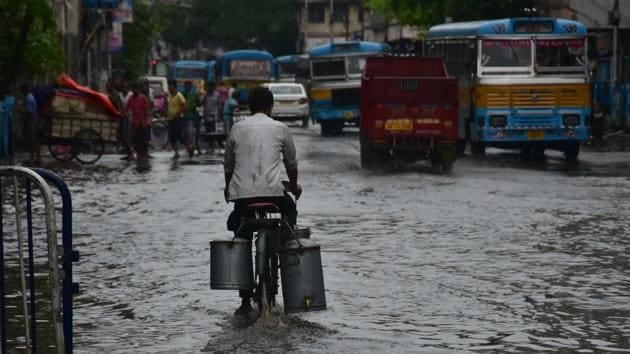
{"type": "Point", "coordinates": [236, 24]}
{"type": "Point", "coordinates": [431, 12]}
{"type": "Point", "coordinates": [28, 42]}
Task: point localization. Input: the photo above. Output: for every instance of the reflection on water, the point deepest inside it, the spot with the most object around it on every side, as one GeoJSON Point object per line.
{"type": "Point", "coordinates": [500, 256]}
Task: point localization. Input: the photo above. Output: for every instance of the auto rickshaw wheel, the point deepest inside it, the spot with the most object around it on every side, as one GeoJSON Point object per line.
{"type": "Point", "coordinates": [87, 146]}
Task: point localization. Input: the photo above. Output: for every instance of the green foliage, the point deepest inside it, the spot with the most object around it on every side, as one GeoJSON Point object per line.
{"type": "Point", "coordinates": [236, 24]}
{"type": "Point", "coordinates": [432, 12]}
{"type": "Point", "coordinates": [41, 54]}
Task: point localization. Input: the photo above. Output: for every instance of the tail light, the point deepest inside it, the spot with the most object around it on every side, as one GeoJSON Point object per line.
{"type": "Point", "coordinates": [303, 100]}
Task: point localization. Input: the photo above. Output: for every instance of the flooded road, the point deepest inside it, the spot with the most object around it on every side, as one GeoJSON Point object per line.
{"type": "Point", "coordinates": [500, 256]}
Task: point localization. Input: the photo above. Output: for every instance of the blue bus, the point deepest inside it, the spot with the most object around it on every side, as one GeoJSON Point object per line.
{"type": "Point", "coordinates": [245, 69]}
{"type": "Point", "coordinates": [292, 68]}
{"type": "Point", "coordinates": [524, 83]}
{"type": "Point", "coordinates": [335, 86]}
{"type": "Point", "coordinates": [196, 71]}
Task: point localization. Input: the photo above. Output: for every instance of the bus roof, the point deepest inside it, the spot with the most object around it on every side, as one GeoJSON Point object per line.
{"type": "Point", "coordinates": [197, 64]}
{"type": "Point", "coordinates": [517, 26]}
{"type": "Point", "coordinates": [248, 54]}
{"type": "Point", "coordinates": [290, 58]}
{"type": "Point", "coordinates": [340, 48]}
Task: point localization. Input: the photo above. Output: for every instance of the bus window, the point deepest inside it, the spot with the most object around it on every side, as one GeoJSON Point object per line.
{"type": "Point", "coordinates": [191, 73]}
{"type": "Point", "coordinates": [561, 55]}
{"type": "Point", "coordinates": [506, 53]}
{"type": "Point", "coordinates": [356, 65]}
{"type": "Point", "coordinates": [328, 68]}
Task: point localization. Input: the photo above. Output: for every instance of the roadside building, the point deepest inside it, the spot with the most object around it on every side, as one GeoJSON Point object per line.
{"type": "Point", "coordinates": [608, 22]}
{"type": "Point", "coordinates": [323, 21]}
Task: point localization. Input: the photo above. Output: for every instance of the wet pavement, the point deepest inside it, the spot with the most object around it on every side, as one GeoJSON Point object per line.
{"type": "Point", "coordinates": [501, 256]}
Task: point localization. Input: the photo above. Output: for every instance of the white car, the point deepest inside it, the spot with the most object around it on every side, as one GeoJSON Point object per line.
{"type": "Point", "coordinates": [290, 102]}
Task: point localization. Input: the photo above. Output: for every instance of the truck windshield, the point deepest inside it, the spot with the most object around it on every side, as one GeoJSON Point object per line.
{"type": "Point", "coordinates": [506, 53]}
{"type": "Point", "coordinates": [560, 55]}
{"type": "Point", "coordinates": [191, 73]}
{"type": "Point", "coordinates": [328, 68]}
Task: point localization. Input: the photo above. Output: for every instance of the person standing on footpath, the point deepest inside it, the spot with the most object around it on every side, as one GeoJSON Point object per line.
{"type": "Point", "coordinates": [191, 116]}
{"type": "Point", "coordinates": [229, 109]}
{"type": "Point", "coordinates": [124, 127]}
{"type": "Point", "coordinates": [176, 121]}
{"type": "Point", "coordinates": [211, 104]}
{"type": "Point", "coordinates": [29, 119]}
{"type": "Point", "coordinates": [139, 107]}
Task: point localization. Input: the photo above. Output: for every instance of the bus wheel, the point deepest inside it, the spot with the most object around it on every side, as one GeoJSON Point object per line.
{"type": "Point", "coordinates": [477, 148]}
{"type": "Point", "coordinates": [526, 152]}
{"type": "Point", "coordinates": [326, 127]}
{"type": "Point", "coordinates": [571, 151]}
{"type": "Point", "coordinates": [539, 153]}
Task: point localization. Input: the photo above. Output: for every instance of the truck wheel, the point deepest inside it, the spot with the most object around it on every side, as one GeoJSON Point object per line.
{"type": "Point", "coordinates": [460, 147]}
{"type": "Point", "coordinates": [369, 156]}
{"type": "Point", "coordinates": [305, 122]}
{"type": "Point", "coordinates": [477, 148]}
{"type": "Point", "coordinates": [447, 166]}
{"type": "Point", "coordinates": [571, 152]}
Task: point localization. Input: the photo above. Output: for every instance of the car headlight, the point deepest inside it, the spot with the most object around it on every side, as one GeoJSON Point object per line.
{"type": "Point", "coordinates": [571, 120]}
{"type": "Point", "coordinates": [498, 121]}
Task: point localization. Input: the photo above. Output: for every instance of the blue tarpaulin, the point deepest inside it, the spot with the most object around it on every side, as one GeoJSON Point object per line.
{"type": "Point", "coordinates": [6, 127]}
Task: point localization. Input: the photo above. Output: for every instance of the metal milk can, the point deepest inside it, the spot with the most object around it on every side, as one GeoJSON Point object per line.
{"type": "Point", "coordinates": [231, 265]}
{"type": "Point", "coordinates": [302, 277]}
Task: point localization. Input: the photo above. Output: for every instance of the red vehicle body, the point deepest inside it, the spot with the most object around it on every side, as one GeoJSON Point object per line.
{"type": "Point", "coordinates": [409, 111]}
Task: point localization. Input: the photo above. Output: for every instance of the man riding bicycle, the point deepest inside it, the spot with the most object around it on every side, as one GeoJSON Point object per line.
{"type": "Point", "coordinates": [255, 153]}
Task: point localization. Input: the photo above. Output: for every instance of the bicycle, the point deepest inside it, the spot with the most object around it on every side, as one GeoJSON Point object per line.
{"type": "Point", "coordinates": [269, 227]}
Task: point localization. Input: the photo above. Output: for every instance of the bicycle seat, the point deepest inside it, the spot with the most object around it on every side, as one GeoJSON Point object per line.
{"type": "Point", "coordinates": [267, 207]}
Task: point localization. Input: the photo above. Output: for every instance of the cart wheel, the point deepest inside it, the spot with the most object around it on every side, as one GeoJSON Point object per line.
{"type": "Point", "coordinates": [87, 146]}
{"type": "Point", "coordinates": [61, 152]}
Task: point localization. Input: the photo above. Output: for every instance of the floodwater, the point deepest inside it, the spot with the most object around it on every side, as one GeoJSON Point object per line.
{"type": "Point", "coordinates": [500, 256]}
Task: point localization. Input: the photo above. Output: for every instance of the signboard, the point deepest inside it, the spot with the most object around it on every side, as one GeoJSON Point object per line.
{"type": "Point", "coordinates": [250, 69]}
{"type": "Point", "coordinates": [115, 38]}
{"type": "Point", "coordinates": [123, 12]}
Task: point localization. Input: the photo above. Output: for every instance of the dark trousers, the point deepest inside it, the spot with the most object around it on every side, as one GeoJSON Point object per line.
{"type": "Point", "coordinates": [285, 204]}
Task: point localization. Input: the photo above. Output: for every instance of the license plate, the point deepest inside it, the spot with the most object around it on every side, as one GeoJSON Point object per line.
{"type": "Point", "coordinates": [535, 134]}
{"type": "Point", "coordinates": [398, 124]}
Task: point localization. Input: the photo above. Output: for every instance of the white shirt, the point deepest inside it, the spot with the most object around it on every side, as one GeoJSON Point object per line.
{"type": "Point", "coordinates": [257, 154]}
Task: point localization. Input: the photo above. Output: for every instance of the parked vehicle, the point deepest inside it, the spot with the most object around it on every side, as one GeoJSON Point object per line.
{"type": "Point", "coordinates": [335, 85]}
{"type": "Point", "coordinates": [290, 102]}
{"type": "Point", "coordinates": [524, 83]}
{"type": "Point", "coordinates": [195, 71]}
{"type": "Point", "coordinates": [292, 68]}
{"type": "Point", "coordinates": [245, 69]}
{"type": "Point", "coordinates": [409, 111]}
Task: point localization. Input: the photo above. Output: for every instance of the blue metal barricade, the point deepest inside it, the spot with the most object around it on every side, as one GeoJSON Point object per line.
{"type": "Point", "coordinates": [6, 127]}
{"type": "Point", "coordinates": [61, 308]}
